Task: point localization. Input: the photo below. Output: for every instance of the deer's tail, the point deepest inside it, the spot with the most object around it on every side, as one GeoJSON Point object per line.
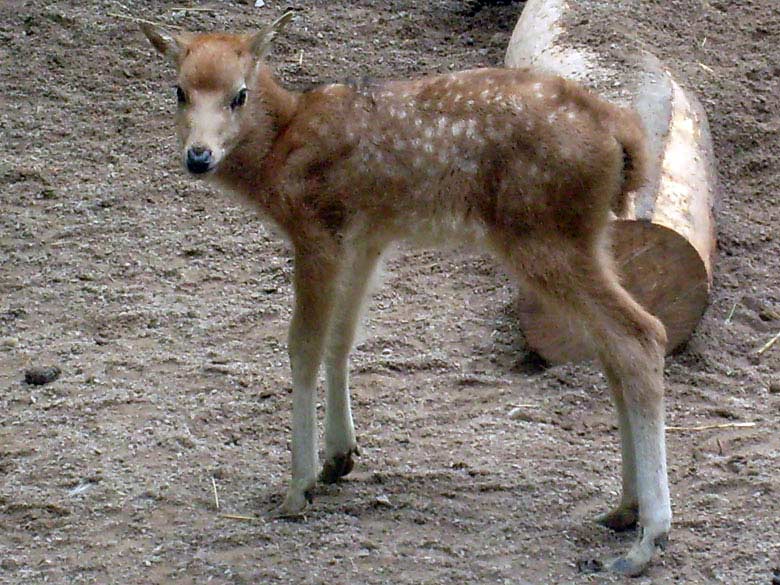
{"type": "Point", "coordinates": [630, 135]}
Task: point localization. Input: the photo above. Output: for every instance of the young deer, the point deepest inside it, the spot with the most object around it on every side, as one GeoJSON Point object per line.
{"type": "Point", "coordinates": [530, 165]}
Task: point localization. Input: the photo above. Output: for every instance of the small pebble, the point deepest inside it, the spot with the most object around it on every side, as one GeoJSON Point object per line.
{"type": "Point", "coordinates": [774, 386]}
{"type": "Point", "coordinates": [521, 414]}
{"type": "Point", "coordinates": [8, 564]}
{"type": "Point", "coordinates": [382, 501]}
{"type": "Point", "coordinates": [9, 342]}
{"type": "Point", "coordinates": [39, 376]}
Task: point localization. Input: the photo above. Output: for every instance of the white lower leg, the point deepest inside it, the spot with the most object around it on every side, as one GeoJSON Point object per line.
{"type": "Point", "coordinates": [628, 498]}
{"type": "Point", "coordinates": [626, 514]}
{"type": "Point", "coordinates": [655, 513]}
{"type": "Point", "coordinates": [339, 428]}
{"type": "Point", "coordinates": [304, 436]}
{"type": "Point", "coordinates": [305, 461]}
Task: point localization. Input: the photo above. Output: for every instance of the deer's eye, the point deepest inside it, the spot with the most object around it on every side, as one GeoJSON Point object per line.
{"type": "Point", "coordinates": [181, 97]}
{"type": "Point", "coordinates": [239, 99]}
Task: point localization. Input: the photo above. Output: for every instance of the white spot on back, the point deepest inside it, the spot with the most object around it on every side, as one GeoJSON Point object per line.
{"type": "Point", "coordinates": [494, 133]}
{"type": "Point", "coordinates": [471, 129]}
{"type": "Point", "coordinates": [469, 166]}
{"type": "Point", "coordinates": [457, 128]}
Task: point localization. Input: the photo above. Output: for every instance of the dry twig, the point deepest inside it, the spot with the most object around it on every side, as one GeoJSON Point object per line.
{"type": "Point", "coordinates": [736, 425]}
{"type": "Point", "coordinates": [768, 344]}
{"type": "Point", "coordinates": [240, 517]}
{"type": "Point", "coordinates": [731, 312]}
{"type": "Point", "coordinates": [192, 9]}
{"type": "Point", "coordinates": [216, 495]}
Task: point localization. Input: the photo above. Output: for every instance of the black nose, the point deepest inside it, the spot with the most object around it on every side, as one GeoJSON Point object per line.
{"type": "Point", "coordinates": [199, 159]}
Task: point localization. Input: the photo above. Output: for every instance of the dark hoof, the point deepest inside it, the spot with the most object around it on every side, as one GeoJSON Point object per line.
{"type": "Point", "coordinates": [590, 566]}
{"type": "Point", "coordinates": [282, 514]}
{"type": "Point", "coordinates": [627, 567]}
{"type": "Point", "coordinates": [620, 519]}
{"type": "Point", "coordinates": [639, 557]}
{"type": "Point", "coordinates": [292, 512]}
{"type": "Point", "coordinates": [337, 467]}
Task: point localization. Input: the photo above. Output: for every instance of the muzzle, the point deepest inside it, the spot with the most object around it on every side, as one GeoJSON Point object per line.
{"type": "Point", "coordinates": [199, 160]}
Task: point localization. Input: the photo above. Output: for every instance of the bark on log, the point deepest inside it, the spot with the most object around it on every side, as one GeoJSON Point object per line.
{"type": "Point", "coordinates": [665, 246]}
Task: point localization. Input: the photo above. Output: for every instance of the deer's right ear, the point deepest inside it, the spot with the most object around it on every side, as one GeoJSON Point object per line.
{"type": "Point", "coordinates": [172, 47]}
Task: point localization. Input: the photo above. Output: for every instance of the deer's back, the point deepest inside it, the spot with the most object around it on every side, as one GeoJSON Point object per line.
{"type": "Point", "coordinates": [453, 153]}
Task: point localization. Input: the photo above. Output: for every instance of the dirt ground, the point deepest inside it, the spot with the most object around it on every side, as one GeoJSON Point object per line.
{"type": "Point", "coordinates": [165, 305]}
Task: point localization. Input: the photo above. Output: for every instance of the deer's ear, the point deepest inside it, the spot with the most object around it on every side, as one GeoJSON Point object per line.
{"type": "Point", "coordinates": [260, 42]}
{"type": "Point", "coordinates": [172, 47]}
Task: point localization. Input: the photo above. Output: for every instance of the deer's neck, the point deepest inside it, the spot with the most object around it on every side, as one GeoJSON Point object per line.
{"type": "Point", "coordinates": [248, 169]}
{"type": "Point", "coordinates": [281, 103]}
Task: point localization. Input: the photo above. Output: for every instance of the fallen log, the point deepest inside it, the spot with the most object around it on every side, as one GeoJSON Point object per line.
{"type": "Point", "coordinates": [664, 246]}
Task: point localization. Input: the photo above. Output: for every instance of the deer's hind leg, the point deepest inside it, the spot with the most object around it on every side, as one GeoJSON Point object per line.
{"type": "Point", "coordinates": [629, 342]}
{"type": "Point", "coordinates": [626, 514]}
{"type": "Point", "coordinates": [340, 443]}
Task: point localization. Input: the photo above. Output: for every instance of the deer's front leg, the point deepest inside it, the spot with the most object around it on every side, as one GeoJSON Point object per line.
{"type": "Point", "coordinates": [315, 270]}
{"type": "Point", "coordinates": [340, 443]}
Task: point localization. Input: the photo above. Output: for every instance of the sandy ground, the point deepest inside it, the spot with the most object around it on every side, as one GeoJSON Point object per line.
{"type": "Point", "coordinates": [165, 305]}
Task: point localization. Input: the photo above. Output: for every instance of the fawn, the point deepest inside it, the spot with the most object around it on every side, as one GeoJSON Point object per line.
{"type": "Point", "coordinates": [529, 165]}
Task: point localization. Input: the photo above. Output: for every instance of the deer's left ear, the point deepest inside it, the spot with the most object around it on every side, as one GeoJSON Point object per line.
{"type": "Point", "coordinates": [172, 47]}
{"type": "Point", "coordinates": [260, 42]}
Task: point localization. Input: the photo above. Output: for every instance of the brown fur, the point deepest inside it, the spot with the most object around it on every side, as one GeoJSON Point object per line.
{"type": "Point", "coordinates": [529, 164]}
{"type": "Point", "coordinates": [578, 188]}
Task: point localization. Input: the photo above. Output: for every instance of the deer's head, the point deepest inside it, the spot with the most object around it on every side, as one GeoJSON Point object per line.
{"type": "Point", "coordinates": [215, 87]}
